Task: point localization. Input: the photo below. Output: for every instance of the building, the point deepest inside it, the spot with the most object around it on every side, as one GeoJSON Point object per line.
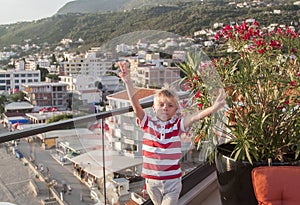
{"type": "Point", "coordinates": [153, 75]}
{"type": "Point", "coordinates": [46, 94]}
{"type": "Point", "coordinates": [69, 80]}
{"type": "Point", "coordinates": [15, 113]}
{"type": "Point", "coordinates": [14, 79]}
{"type": "Point", "coordinates": [91, 63]}
{"type": "Point", "coordinates": [85, 86]}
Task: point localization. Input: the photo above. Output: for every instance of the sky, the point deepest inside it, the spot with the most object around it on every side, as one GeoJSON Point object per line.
{"type": "Point", "coordinates": [13, 11]}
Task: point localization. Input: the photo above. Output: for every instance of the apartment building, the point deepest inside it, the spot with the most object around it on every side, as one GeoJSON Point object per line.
{"type": "Point", "coordinates": [14, 79]}
{"type": "Point", "coordinates": [85, 86]}
{"type": "Point", "coordinates": [87, 64]}
{"type": "Point", "coordinates": [151, 71]}
{"type": "Point", "coordinates": [153, 75]}
{"type": "Point", "coordinates": [46, 94]}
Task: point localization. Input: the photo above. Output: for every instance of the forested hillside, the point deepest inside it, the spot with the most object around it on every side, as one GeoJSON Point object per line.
{"type": "Point", "coordinates": [182, 19]}
{"type": "Point", "coordinates": [92, 6]}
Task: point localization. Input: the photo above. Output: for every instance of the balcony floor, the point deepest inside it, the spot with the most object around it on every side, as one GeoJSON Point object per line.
{"type": "Point", "coordinates": [213, 198]}
{"type": "Point", "coordinates": [205, 193]}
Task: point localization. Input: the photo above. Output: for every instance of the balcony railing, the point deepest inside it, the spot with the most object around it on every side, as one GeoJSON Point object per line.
{"type": "Point", "coordinates": [193, 168]}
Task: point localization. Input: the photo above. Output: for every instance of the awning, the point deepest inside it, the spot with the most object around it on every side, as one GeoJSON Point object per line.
{"type": "Point", "coordinates": [91, 162]}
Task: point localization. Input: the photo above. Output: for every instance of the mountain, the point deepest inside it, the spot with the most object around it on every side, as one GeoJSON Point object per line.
{"type": "Point", "coordinates": [94, 6]}
{"type": "Point", "coordinates": [183, 18]}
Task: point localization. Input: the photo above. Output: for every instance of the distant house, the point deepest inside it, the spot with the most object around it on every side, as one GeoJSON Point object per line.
{"type": "Point", "coordinates": [18, 107]}
{"type": "Point", "coordinates": [15, 114]}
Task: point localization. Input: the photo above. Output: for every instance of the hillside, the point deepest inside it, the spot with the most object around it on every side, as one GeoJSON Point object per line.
{"type": "Point", "coordinates": [182, 19]}
{"type": "Point", "coordinates": [94, 6]}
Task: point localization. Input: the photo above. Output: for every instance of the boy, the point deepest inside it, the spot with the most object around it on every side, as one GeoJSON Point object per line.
{"type": "Point", "coordinates": [161, 142]}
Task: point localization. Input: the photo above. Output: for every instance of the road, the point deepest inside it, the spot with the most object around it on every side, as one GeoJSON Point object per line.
{"type": "Point", "coordinates": [56, 171]}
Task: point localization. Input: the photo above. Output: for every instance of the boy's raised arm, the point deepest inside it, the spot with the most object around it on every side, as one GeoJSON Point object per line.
{"type": "Point", "coordinates": [125, 76]}
{"type": "Point", "coordinates": [195, 117]}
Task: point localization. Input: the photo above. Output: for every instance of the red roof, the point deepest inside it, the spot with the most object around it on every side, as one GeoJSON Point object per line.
{"type": "Point", "coordinates": [140, 92]}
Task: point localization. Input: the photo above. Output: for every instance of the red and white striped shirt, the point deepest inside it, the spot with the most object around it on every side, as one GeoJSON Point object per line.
{"type": "Point", "coordinates": [161, 148]}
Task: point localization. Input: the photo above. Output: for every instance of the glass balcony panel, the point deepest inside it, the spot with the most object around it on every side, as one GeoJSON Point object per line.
{"type": "Point", "coordinates": [86, 153]}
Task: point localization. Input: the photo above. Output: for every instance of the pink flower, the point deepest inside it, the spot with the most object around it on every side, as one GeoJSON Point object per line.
{"type": "Point", "coordinates": [200, 105]}
{"type": "Point", "coordinates": [198, 94]}
{"type": "Point", "coordinates": [259, 42]}
{"type": "Point", "coordinates": [261, 51]}
{"type": "Point", "coordinates": [217, 37]}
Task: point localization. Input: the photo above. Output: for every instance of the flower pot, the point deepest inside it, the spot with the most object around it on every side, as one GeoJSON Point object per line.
{"type": "Point", "coordinates": [234, 177]}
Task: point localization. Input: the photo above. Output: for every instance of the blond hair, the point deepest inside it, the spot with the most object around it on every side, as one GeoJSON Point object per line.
{"type": "Point", "coordinates": [166, 93]}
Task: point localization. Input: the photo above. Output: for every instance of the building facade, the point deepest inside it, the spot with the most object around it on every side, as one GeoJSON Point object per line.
{"type": "Point", "coordinates": [14, 79]}
{"type": "Point", "coordinates": [46, 94]}
{"type": "Point", "coordinates": [91, 63]}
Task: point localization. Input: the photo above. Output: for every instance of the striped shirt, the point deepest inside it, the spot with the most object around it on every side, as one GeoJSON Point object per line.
{"type": "Point", "coordinates": [161, 148]}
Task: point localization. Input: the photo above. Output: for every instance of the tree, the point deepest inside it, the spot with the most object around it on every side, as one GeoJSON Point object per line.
{"type": "Point", "coordinates": [20, 96]}
{"type": "Point", "coordinates": [44, 72]}
{"type": "Point", "coordinates": [2, 102]}
{"type": "Point", "coordinates": [53, 60]}
{"type": "Point", "coordinates": [54, 77]}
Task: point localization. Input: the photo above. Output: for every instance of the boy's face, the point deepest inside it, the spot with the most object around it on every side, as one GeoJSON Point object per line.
{"type": "Point", "coordinates": [165, 108]}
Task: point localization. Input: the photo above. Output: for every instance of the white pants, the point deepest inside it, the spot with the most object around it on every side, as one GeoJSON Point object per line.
{"type": "Point", "coordinates": [164, 192]}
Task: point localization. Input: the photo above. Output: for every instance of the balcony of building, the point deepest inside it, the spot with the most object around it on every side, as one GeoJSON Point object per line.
{"type": "Point", "coordinates": [83, 162]}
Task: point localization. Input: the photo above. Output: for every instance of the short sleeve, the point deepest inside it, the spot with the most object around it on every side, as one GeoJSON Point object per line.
{"type": "Point", "coordinates": [143, 122]}
{"type": "Point", "coordinates": [182, 127]}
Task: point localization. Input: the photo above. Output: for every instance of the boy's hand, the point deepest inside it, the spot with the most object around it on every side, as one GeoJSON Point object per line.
{"type": "Point", "coordinates": [220, 101]}
{"type": "Point", "coordinates": [125, 73]}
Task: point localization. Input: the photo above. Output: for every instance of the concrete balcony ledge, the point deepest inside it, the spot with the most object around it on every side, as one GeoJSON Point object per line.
{"type": "Point", "coordinates": [205, 193]}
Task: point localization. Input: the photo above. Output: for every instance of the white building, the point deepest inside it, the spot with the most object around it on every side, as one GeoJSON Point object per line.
{"type": "Point", "coordinates": [87, 64]}
{"type": "Point", "coordinates": [154, 75]}
{"type": "Point", "coordinates": [85, 86]}
{"type": "Point", "coordinates": [13, 79]}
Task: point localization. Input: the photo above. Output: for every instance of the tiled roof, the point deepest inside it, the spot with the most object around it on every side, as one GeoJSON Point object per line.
{"type": "Point", "coordinates": [140, 92]}
{"type": "Point", "coordinates": [18, 106]}
{"type": "Point", "coordinates": [90, 91]}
